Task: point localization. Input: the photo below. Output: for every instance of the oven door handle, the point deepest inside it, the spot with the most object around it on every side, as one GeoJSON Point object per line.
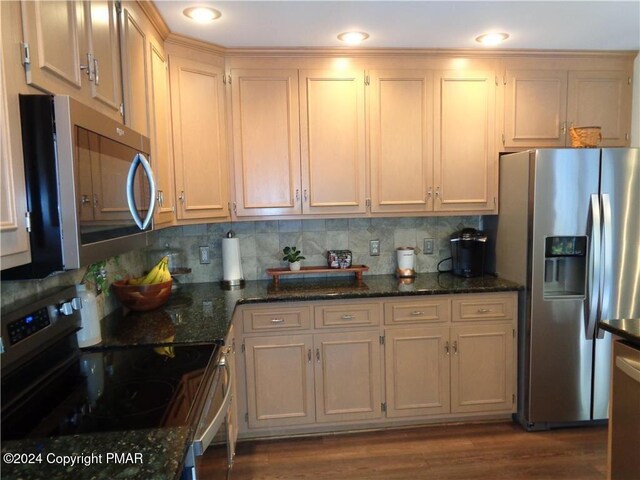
{"type": "Point", "coordinates": [140, 160]}
{"type": "Point", "coordinates": [201, 442]}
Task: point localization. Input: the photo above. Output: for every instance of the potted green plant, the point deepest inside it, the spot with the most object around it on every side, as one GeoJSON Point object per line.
{"type": "Point", "coordinates": [293, 256]}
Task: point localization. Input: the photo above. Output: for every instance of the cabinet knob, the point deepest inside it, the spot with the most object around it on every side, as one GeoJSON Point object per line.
{"type": "Point", "coordinates": [181, 197]}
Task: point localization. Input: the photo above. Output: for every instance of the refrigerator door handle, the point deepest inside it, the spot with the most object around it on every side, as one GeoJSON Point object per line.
{"type": "Point", "coordinates": [607, 258]}
{"type": "Point", "coordinates": [593, 280]}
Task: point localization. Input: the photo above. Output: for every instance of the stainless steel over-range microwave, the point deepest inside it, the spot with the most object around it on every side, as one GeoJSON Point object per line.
{"type": "Point", "coordinates": [90, 188]}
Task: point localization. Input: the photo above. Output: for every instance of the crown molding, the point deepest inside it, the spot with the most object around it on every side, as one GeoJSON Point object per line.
{"type": "Point", "coordinates": [150, 10]}
{"type": "Point", "coordinates": [184, 41]}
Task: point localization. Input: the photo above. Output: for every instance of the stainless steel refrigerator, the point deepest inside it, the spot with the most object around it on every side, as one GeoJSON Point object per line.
{"type": "Point", "coordinates": [569, 231]}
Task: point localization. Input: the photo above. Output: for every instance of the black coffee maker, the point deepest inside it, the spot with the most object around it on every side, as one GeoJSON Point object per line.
{"type": "Point", "coordinates": [467, 252]}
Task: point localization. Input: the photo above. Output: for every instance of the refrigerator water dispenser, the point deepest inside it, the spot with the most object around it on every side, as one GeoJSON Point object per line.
{"type": "Point", "coordinates": [565, 266]}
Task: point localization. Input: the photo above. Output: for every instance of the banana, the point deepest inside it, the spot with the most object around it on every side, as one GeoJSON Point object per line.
{"type": "Point", "coordinates": [165, 351]}
{"type": "Point", "coordinates": [156, 275]}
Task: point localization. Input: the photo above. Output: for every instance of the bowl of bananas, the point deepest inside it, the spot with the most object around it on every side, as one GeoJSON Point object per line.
{"type": "Point", "coordinates": [147, 292]}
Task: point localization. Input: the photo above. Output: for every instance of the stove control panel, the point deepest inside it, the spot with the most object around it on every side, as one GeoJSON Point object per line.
{"type": "Point", "coordinates": [28, 325]}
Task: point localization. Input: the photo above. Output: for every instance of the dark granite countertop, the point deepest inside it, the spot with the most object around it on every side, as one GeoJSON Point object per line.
{"type": "Point", "coordinates": [627, 328]}
{"type": "Point", "coordinates": [155, 454]}
{"type": "Point", "coordinates": [202, 312]}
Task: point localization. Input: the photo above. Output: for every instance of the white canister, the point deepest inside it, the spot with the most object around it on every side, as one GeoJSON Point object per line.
{"type": "Point", "coordinates": [406, 262]}
{"type": "Point", "coordinates": [89, 333]}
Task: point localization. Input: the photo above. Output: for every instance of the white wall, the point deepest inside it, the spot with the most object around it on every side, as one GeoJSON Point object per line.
{"type": "Point", "coordinates": [635, 105]}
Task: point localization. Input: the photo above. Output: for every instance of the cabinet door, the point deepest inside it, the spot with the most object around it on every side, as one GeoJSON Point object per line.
{"type": "Point", "coordinates": [535, 108]}
{"type": "Point", "coordinates": [465, 165]}
{"type": "Point", "coordinates": [134, 70]}
{"type": "Point", "coordinates": [279, 381]}
{"type": "Point", "coordinates": [51, 28]}
{"type": "Point", "coordinates": [401, 122]}
{"type": "Point", "coordinates": [332, 139]}
{"type": "Point", "coordinates": [347, 376]}
{"type": "Point", "coordinates": [197, 109]}
{"type": "Point", "coordinates": [482, 368]}
{"type": "Point", "coordinates": [417, 371]}
{"type": "Point", "coordinates": [266, 142]}
{"type": "Point", "coordinates": [161, 146]}
{"type": "Point", "coordinates": [102, 31]}
{"type": "Point", "coordinates": [14, 241]}
{"type": "Point", "coordinates": [602, 99]}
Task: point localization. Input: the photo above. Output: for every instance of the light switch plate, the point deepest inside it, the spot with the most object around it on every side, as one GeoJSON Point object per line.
{"type": "Point", "coordinates": [374, 248]}
{"type": "Point", "coordinates": [428, 246]}
{"type": "Point", "coordinates": [204, 255]}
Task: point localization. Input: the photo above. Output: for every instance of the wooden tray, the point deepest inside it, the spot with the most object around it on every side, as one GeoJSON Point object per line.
{"type": "Point", "coordinates": [276, 273]}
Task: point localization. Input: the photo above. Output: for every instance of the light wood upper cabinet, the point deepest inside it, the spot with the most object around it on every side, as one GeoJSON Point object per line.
{"type": "Point", "coordinates": [266, 142]}
{"type": "Point", "coordinates": [73, 49]}
{"type": "Point", "coordinates": [541, 105]}
{"type": "Point", "coordinates": [417, 371]}
{"type": "Point", "coordinates": [14, 240]}
{"type": "Point", "coordinates": [332, 141]}
{"type": "Point", "coordinates": [465, 163]}
{"type": "Point", "coordinates": [135, 71]}
{"type": "Point", "coordinates": [347, 376]}
{"type": "Point", "coordinates": [601, 98]}
{"type": "Point", "coordinates": [400, 133]}
{"type": "Point", "coordinates": [535, 108]}
{"type": "Point", "coordinates": [482, 368]}
{"type": "Point", "coordinates": [198, 115]}
{"type": "Point", "coordinates": [102, 33]}
{"type": "Point", "coordinates": [161, 145]}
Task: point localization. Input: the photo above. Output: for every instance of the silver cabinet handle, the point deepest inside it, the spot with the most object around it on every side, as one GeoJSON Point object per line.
{"type": "Point", "coordinates": [416, 313]}
{"type": "Point", "coordinates": [437, 192]}
{"type": "Point", "coordinates": [140, 159]}
{"type": "Point", "coordinates": [455, 347]}
{"type": "Point", "coordinates": [297, 194]}
{"type": "Point", "coordinates": [88, 68]}
{"type": "Point", "coordinates": [430, 192]}
{"type": "Point", "coordinates": [563, 128]}
{"type": "Point", "coordinates": [347, 316]}
{"type": "Point", "coordinates": [277, 320]}
{"type": "Point", "coordinates": [306, 195]}
{"type": "Point", "coordinates": [446, 348]}
{"type": "Point", "coordinates": [96, 72]}
{"type": "Point", "coordinates": [160, 198]}
{"type": "Point", "coordinates": [484, 310]}
{"type": "Point", "coordinates": [85, 200]}
{"type": "Point", "coordinates": [95, 200]}
{"type": "Point", "coordinates": [318, 355]}
{"type": "Point", "coordinates": [182, 198]}
{"type": "Point", "coordinates": [309, 356]}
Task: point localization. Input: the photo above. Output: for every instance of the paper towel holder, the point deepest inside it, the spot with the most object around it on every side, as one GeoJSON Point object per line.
{"type": "Point", "coordinates": [231, 261]}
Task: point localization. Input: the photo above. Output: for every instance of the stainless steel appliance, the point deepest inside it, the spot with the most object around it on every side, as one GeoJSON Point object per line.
{"type": "Point", "coordinates": [569, 231]}
{"type": "Point", "coordinates": [90, 188]}
{"type": "Point", "coordinates": [51, 388]}
{"type": "Point", "coordinates": [468, 248]}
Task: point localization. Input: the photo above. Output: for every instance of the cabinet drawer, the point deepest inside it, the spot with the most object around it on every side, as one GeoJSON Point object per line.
{"type": "Point", "coordinates": [347, 315]}
{"type": "Point", "coordinates": [418, 310]}
{"type": "Point", "coordinates": [489, 307]}
{"type": "Point", "coordinates": [270, 319]}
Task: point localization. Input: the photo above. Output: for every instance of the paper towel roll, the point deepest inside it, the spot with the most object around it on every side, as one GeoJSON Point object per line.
{"type": "Point", "coordinates": [231, 261]}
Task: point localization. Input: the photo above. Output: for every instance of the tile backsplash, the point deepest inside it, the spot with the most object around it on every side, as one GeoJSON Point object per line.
{"type": "Point", "coordinates": [261, 242]}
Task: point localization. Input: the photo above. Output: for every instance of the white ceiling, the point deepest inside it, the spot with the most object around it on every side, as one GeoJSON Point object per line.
{"type": "Point", "coordinates": [570, 25]}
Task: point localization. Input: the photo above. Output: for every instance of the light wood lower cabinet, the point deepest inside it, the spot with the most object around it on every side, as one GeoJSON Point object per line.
{"type": "Point", "coordinates": [347, 376]}
{"type": "Point", "coordinates": [417, 371]}
{"type": "Point", "coordinates": [482, 366]}
{"type": "Point", "coordinates": [279, 373]}
{"type": "Point", "coordinates": [432, 357]}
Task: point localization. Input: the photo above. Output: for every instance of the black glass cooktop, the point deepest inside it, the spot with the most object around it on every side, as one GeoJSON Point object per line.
{"type": "Point", "coordinates": [110, 390]}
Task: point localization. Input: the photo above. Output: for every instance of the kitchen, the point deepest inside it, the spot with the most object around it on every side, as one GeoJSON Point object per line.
{"type": "Point", "coordinates": [235, 133]}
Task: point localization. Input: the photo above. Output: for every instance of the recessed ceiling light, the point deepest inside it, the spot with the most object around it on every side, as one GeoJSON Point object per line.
{"type": "Point", "coordinates": [201, 14]}
{"type": "Point", "coordinates": [491, 39]}
{"type": "Point", "coordinates": [353, 38]}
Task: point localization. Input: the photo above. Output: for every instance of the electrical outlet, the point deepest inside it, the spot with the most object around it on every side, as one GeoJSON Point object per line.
{"type": "Point", "coordinates": [428, 246]}
{"type": "Point", "coordinates": [204, 255]}
{"type": "Point", "coordinates": [374, 248]}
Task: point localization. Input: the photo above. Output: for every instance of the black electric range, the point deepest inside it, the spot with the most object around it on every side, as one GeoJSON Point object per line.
{"type": "Point", "coordinates": [52, 388]}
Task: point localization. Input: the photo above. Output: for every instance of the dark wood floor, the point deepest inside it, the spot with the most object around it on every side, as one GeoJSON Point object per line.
{"type": "Point", "coordinates": [495, 451]}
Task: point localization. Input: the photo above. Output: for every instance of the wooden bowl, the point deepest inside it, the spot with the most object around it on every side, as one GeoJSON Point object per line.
{"type": "Point", "coordinates": [142, 298]}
